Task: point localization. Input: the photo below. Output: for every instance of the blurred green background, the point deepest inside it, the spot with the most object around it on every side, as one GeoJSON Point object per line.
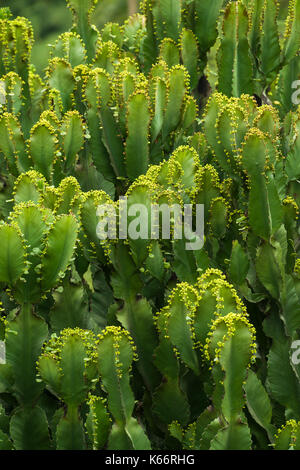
{"type": "Point", "coordinates": [50, 18]}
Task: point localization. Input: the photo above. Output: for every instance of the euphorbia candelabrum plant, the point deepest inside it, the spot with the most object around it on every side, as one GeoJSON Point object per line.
{"type": "Point", "coordinates": [143, 344]}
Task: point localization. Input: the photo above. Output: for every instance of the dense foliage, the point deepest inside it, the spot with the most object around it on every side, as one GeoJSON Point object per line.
{"type": "Point", "coordinates": [50, 21]}
{"type": "Point", "coordinates": [142, 344]}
